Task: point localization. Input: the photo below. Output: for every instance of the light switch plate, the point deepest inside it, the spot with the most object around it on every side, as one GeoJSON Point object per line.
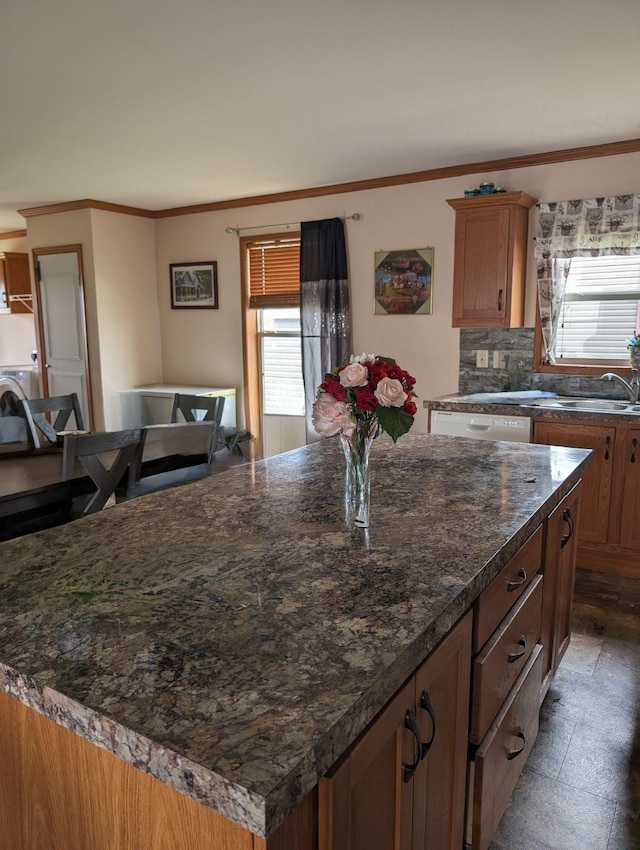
{"type": "Point", "coordinates": [482, 359]}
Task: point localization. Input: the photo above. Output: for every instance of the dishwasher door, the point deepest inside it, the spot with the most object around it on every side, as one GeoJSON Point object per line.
{"type": "Point", "coordinates": [481, 426]}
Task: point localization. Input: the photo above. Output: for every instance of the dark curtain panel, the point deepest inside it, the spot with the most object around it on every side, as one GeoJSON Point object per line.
{"type": "Point", "coordinates": [324, 305]}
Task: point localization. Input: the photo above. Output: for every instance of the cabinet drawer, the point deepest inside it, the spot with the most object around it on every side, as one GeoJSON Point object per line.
{"type": "Point", "coordinates": [502, 658]}
{"type": "Point", "coordinates": [503, 752]}
{"type": "Point", "coordinates": [495, 601]}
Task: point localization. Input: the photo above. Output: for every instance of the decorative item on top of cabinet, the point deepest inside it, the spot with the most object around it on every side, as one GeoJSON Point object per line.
{"type": "Point", "coordinates": [609, 527]}
{"type": "Point", "coordinates": [402, 785]}
{"type": "Point", "coordinates": [490, 260]}
{"type": "Point", "coordinates": [14, 273]}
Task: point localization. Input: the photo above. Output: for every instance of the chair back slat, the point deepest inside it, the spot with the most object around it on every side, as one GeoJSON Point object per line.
{"type": "Point", "coordinates": [62, 405]}
{"type": "Point", "coordinates": [88, 449]}
{"type": "Point", "coordinates": [180, 438]}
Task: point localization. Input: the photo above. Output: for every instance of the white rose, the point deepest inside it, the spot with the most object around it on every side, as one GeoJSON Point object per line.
{"type": "Point", "coordinates": [354, 375]}
{"type": "Point", "coordinates": [389, 393]}
{"type": "Point", "coordinates": [331, 417]}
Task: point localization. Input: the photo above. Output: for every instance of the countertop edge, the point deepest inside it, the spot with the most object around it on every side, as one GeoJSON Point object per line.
{"type": "Point", "coordinates": [534, 411]}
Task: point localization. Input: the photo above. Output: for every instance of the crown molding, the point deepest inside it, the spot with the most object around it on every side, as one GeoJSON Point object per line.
{"type": "Point", "coordinates": [68, 206]}
{"type": "Point", "coordinates": [505, 164]}
{"type": "Point", "coordinates": [13, 234]}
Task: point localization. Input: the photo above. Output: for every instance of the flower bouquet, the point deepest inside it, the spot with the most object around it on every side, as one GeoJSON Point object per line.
{"type": "Point", "coordinates": [633, 344]}
{"type": "Point", "coordinates": [360, 400]}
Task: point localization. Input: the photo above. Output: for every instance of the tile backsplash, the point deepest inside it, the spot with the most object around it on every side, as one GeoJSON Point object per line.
{"type": "Point", "coordinates": [515, 372]}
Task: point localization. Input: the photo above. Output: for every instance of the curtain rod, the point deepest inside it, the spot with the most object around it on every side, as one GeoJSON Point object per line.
{"type": "Point", "coordinates": [237, 230]}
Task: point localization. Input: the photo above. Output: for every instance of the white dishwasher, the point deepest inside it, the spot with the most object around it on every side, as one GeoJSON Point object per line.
{"type": "Point", "coordinates": [482, 426]}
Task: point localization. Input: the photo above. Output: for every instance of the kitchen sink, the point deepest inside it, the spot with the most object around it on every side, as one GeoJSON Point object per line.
{"type": "Point", "coordinates": [588, 404]}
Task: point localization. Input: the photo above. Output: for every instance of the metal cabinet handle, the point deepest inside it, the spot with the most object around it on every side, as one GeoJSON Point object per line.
{"type": "Point", "coordinates": [568, 518]}
{"type": "Point", "coordinates": [513, 753]}
{"type": "Point", "coordinates": [427, 705]}
{"type": "Point", "coordinates": [634, 445]}
{"type": "Point", "coordinates": [513, 585]}
{"type": "Point", "coordinates": [513, 656]}
{"type": "Point", "coordinates": [411, 724]}
{"type": "Point", "coordinates": [607, 443]}
{"type": "Point", "coordinates": [499, 301]}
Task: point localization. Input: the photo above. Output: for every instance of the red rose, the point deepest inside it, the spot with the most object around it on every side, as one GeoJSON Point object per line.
{"type": "Point", "coordinates": [377, 371]}
{"type": "Point", "coordinates": [410, 407]}
{"type": "Point", "coordinates": [409, 380]}
{"type": "Point", "coordinates": [365, 399]}
{"type": "Point", "coordinates": [330, 385]}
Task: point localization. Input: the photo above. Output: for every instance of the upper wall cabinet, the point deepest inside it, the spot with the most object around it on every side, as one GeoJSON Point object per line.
{"type": "Point", "coordinates": [14, 273]}
{"type": "Point", "coordinates": [490, 260]}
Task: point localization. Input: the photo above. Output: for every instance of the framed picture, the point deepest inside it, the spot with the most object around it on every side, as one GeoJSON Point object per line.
{"type": "Point", "coordinates": [194, 285]}
{"type": "Point", "coordinates": [403, 282]}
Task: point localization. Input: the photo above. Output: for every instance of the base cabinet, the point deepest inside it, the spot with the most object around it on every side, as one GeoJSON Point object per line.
{"type": "Point", "coordinates": [609, 527]}
{"type": "Point", "coordinates": [402, 786]}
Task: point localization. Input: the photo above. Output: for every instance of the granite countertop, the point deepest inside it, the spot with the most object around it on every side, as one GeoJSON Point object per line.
{"type": "Point", "coordinates": [466, 404]}
{"type": "Point", "coordinates": [232, 638]}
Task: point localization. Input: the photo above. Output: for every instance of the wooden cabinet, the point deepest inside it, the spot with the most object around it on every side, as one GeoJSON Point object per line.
{"type": "Point", "coordinates": [559, 576]}
{"type": "Point", "coordinates": [490, 260]}
{"type": "Point", "coordinates": [609, 527]}
{"type": "Point", "coordinates": [505, 699]}
{"type": "Point", "coordinates": [596, 483]}
{"type": "Point", "coordinates": [402, 786]}
{"type": "Point", "coordinates": [14, 273]}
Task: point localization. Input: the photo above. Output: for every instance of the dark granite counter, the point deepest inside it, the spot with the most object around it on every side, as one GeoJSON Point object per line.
{"type": "Point", "coordinates": [465, 404]}
{"type": "Point", "coordinates": [232, 638]}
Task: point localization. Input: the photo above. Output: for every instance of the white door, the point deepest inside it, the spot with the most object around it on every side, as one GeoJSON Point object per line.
{"type": "Point", "coordinates": [61, 303]}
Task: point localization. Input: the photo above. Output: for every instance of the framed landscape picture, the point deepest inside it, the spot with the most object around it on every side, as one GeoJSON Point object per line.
{"type": "Point", "coordinates": [403, 282]}
{"type": "Point", "coordinates": [194, 285]}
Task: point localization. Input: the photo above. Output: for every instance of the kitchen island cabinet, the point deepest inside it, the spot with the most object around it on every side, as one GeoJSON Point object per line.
{"type": "Point", "coordinates": [229, 642]}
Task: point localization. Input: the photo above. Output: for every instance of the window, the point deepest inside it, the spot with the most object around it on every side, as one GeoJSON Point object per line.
{"type": "Point", "coordinates": [600, 310]}
{"type": "Point", "coordinates": [273, 353]}
{"type": "Point", "coordinates": [281, 361]}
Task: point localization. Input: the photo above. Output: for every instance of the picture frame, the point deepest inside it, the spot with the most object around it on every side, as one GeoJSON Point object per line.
{"type": "Point", "coordinates": [194, 286]}
{"type": "Point", "coordinates": [403, 282]}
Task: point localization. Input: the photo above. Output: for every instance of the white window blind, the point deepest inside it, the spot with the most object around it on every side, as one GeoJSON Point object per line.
{"type": "Point", "coordinates": [600, 308]}
{"type": "Point", "coordinates": [281, 362]}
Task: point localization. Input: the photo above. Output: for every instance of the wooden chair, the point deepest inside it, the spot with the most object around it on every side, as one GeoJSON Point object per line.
{"type": "Point", "coordinates": [213, 408]}
{"type": "Point", "coordinates": [120, 448]}
{"type": "Point", "coordinates": [62, 405]}
{"type": "Point", "coordinates": [164, 450]}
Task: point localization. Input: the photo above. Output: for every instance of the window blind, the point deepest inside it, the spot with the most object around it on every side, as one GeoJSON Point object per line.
{"type": "Point", "coordinates": [274, 273]}
{"type": "Point", "coordinates": [601, 308]}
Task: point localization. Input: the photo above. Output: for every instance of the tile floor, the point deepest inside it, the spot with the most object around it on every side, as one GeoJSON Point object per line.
{"type": "Point", "coordinates": [580, 788]}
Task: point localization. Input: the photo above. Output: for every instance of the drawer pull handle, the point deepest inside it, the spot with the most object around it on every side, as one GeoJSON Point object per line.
{"type": "Point", "coordinates": [566, 517]}
{"type": "Point", "coordinates": [427, 705]}
{"type": "Point", "coordinates": [411, 724]}
{"type": "Point", "coordinates": [513, 753]}
{"type": "Point", "coordinates": [513, 585]}
{"type": "Point", "coordinates": [499, 301]}
{"type": "Point", "coordinates": [513, 656]}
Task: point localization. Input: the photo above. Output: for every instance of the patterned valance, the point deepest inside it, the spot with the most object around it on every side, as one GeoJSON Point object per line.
{"type": "Point", "coordinates": [589, 227]}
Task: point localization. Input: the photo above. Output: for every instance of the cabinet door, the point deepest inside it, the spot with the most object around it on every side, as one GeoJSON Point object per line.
{"type": "Point", "coordinates": [596, 483]}
{"type": "Point", "coordinates": [630, 486]}
{"type": "Point", "coordinates": [442, 697]}
{"type": "Point", "coordinates": [480, 289]}
{"type": "Point", "coordinates": [365, 802]}
{"type": "Point", "coordinates": [15, 271]}
{"type": "Point", "coordinates": [559, 568]}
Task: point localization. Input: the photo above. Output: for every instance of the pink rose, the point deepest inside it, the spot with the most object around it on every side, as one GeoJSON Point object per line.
{"type": "Point", "coordinates": [331, 417]}
{"type": "Point", "coordinates": [354, 375]}
{"type": "Point", "coordinates": [389, 393]}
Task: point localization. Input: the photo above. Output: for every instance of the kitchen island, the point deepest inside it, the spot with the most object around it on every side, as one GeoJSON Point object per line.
{"type": "Point", "coordinates": [233, 640]}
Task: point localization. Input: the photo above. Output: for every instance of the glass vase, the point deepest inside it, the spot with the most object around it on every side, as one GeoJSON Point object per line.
{"type": "Point", "coordinates": [357, 483]}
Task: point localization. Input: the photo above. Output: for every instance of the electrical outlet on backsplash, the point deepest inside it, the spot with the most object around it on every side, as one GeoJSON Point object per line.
{"type": "Point", "coordinates": [510, 366]}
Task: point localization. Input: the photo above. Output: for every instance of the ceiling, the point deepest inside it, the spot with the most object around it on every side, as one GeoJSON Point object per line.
{"type": "Point", "coordinates": [159, 104]}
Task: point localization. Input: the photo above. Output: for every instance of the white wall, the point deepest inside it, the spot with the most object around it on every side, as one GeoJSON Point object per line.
{"type": "Point", "coordinates": [127, 306]}
{"type": "Point", "coordinates": [206, 346]}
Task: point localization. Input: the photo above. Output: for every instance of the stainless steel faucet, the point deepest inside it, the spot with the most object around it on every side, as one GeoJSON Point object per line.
{"type": "Point", "coordinates": [631, 386]}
